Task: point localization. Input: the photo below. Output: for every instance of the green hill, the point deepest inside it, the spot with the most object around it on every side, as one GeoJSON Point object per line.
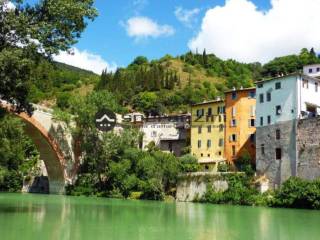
{"type": "Point", "coordinates": [167, 85]}
{"type": "Point", "coordinates": [52, 80]}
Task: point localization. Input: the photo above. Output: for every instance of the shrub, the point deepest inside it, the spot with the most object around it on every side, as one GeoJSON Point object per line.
{"type": "Point", "coordinates": [298, 193]}
{"type": "Point", "coordinates": [189, 163]}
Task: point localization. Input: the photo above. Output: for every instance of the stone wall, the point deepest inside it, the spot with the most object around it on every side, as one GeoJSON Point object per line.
{"type": "Point", "coordinates": [277, 171]}
{"type": "Point", "coordinates": [308, 145]}
{"type": "Point", "coordinates": [194, 185]}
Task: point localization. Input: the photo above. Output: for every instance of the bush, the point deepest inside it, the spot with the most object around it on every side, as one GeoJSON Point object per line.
{"type": "Point", "coordinates": [240, 192]}
{"type": "Point", "coordinates": [189, 163]}
{"type": "Point", "coordinates": [63, 100]}
{"type": "Point", "coordinates": [12, 181]}
{"type": "Point", "coordinates": [298, 193]}
{"type": "Point", "coordinates": [223, 167]}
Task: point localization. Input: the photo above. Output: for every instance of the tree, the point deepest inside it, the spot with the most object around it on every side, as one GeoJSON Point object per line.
{"type": "Point", "coordinates": [140, 60]}
{"type": "Point", "coordinates": [18, 155]}
{"type": "Point", "coordinates": [30, 32]}
{"type": "Point", "coordinates": [148, 102]}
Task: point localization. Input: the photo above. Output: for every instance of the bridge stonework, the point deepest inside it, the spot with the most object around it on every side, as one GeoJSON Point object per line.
{"type": "Point", "coordinates": [56, 146]}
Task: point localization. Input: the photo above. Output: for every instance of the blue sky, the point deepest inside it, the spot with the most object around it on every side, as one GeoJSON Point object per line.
{"type": "Point", "coordinates": [118, 35]}
{"type": "Point", "coordinates": [107, 37]}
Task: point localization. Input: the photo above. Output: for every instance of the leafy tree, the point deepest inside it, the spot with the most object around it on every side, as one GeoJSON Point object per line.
{"type": "Point", "coordinates": [28, 32]}
{"type": "Point", "coordinates": [147, 102]}
{"type": "Point", "coordinates": [18, 155]}
{"type": "Point", "coordinates": [140, 60]}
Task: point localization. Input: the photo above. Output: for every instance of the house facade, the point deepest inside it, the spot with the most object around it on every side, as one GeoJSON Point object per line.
{"type": "Point", "coordinates": [285, 105]}
{"type": "Point", "coordinates": [240, 124]}
{"type": "Point", "coordinates": [168, 133]}
{"type": "Point", "coordinates": [207, 133]}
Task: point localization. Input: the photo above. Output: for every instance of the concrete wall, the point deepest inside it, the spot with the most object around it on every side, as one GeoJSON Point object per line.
{"type": "Point", "coordinates": [277, 171]}
{"type": "Point", "coordinates": [193, 186]}
{"type": "Point", "coordinates": [308, 144]}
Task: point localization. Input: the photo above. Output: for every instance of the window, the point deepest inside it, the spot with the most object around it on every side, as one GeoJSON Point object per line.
{"type": "Point", "coordinates": [199, 129]}
{"type": "Point", "coordinates": [199, 143]}
{"type": "Point", "coordinates": [153, 134]}
{"type": "Point", "coordinates": [318, 69]}
{"type": "Point", "coordinates": [233, 111]}
{"type": "Point", "coordinates": [262, 149]}
{"type": "Point", "coordinates": [209, 129]}
{"type": "Point", "coordinates": [221, 142]}
{"type": "Point", "coordinates": [260, 85]}
{"type": "Point", "coordinates": [316, 85]}
{"type": "Point", "coordinates": [220, 153]}
{"type": "Point", "coordinates": [208, 154]}
{"type": "Point", "coordinates": [201, 154]}
{"type": "Point", "coordinates": [200, 112]}
{"type": "Point", "coordinates": [252, 138]}
{"type": "Point", "coordinates": [268, 96]}
{"type": "Point", "coordinates": [233, 123]}
{"type": "Point", "coordinates": [252, 111]}
{"type": "Point", "coordinates": [261, 121]}
{"type": "Point", "coordinates": [220, 119]}
{"type": "Point", "coordinates": [252, 122]}
{"type": "Point", "coordinates": [305, 83]}
{"type": "Point", "coordinates": [233, 151]}
{"type": "Point", "coordinates": [269, 119]}
{"type": "Point", "coordinates": [261, 98]}
{"type": "Point", "coordinates": [278, 85]}
{"type": "Point", "coordinates": [252, 94]}
{"type": "Point", "coordinates": [234, 96]}
{"type": "Point", "coordinates": [221, 127]}
{"type": "Point", "coordinates": [278, 134]}
{"type": "Point", "coordinates": [278, 153]}
{"type": "Point", "coordinates": [278, 110]}
{"type": "Point", "coordinates": [233, 138]}
{"type": "Point", "coordinates": [310, 70]}
{"type": "Point", "coordinates": [209, 111]}
{"type": "Point", "coordinates": [209, 144]}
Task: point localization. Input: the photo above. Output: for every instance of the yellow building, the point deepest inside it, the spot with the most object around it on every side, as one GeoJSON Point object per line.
{"type": "Point", "coordinates": [207, 133]}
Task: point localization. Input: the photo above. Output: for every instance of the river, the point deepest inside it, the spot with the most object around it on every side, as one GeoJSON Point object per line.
{"type": "Point", "coordinates": [27, 216]}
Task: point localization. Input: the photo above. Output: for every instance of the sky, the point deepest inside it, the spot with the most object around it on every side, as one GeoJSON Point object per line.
{"type": "Point", "coordinates": [244, 30]}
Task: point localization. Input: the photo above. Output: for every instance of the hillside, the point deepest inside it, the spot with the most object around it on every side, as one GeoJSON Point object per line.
{"type": "Point", "coordinates": [52, 80]}
{"type": "Point", "coordinates": [167, 85]}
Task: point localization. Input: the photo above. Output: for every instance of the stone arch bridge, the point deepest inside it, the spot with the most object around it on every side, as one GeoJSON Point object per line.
{"type": "Point", "coordinates": [57, 148]}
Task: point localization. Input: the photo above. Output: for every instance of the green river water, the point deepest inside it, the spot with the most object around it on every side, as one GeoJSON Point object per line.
{"type": "Point", "coordinates": [27, 216]}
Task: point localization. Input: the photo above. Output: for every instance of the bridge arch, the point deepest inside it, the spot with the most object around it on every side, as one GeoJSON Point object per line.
{"type": "Point", "coordinates": [49, 149]}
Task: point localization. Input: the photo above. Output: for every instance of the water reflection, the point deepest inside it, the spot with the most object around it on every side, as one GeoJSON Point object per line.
{"type": "Point", "coordinates": [57, 217]}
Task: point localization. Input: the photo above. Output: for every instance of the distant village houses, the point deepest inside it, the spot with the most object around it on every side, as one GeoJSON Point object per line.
{"type": "Point", "coordinates": [274, 125]}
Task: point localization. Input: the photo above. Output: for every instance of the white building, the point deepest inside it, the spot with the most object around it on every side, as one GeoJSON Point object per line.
{"type": "Point", "coordinates": [282, 103]}
{"type": "Point", "coordinates": [312, 70]}
{"type": "Point", "coordinates": [169, 133]}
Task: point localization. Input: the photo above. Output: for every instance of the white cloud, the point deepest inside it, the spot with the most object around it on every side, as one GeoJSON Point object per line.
{"type": "Point", "coordinates": [8, 6]}
{"type": "Point", "coordinates": [144, 27]}
{"type": "Point", "coordinates": [186, 16]}
{"type": "Point", "coordinates": [85, 60]}
{"type": "Point", "coordinates": [240, 31]}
